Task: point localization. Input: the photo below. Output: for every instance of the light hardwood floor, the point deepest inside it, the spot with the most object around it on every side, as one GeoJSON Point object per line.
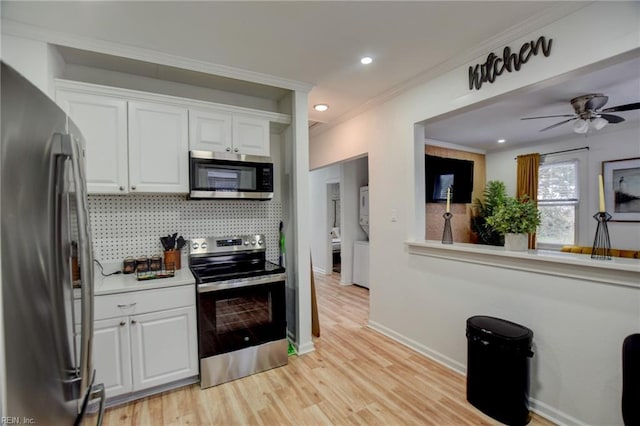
{"type": "Point", "coordinates": [355, 376]}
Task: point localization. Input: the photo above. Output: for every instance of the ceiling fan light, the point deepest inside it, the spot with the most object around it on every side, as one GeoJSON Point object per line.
{"type": "Point", "coordinates": [598, 123]}
{"type": "Point", "coordinates": [581, 126]}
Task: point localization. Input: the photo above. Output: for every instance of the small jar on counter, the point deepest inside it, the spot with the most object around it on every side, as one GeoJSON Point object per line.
{"type": "Point", "coordinates": [128, 265]}
{"type": "Point", "coordinates": [156, 263]}
{"type": "Point", "coordinates": [142, 264]}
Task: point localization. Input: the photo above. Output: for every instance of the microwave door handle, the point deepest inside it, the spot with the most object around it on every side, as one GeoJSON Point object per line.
{"type": "Point", "coordinates": [86, 263]}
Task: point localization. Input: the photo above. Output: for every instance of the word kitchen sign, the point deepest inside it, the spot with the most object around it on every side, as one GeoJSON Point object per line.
{"type": "Point", "coordinates": [496, 65]}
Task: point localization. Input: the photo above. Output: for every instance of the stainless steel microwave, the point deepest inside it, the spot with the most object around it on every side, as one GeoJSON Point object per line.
{"type": "Point", "coordinates": [214, 175]}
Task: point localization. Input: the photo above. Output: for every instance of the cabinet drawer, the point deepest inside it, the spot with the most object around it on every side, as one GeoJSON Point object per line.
{"type": "Point", "coordinates": [140, 302]}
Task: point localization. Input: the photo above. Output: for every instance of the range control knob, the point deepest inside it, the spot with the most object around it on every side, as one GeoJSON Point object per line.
{"type": "Point", "coordinates": [203, 245]}
{"type": "Point", "coordinates": [246, 243]}
{"type": "Point", "coordinates": [260, 242]}
{"type": "Point", "coordinates": [195, 246]}
{"type": "Point", "coordinates": [253, 242]}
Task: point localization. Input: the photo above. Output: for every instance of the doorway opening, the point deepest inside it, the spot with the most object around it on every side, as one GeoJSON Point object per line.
{"type": "Point", "coordinates": [333, 193]}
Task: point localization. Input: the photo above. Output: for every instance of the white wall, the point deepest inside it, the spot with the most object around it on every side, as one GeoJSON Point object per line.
{"type": "Point", "coordinates": [578, 325]}
{"type": "Point", "coordinates": [154, 85]}
{"type": "Point", "coordinates": [318, 181]}
{"type": "Point", "coordinates": [612, 143]}
{"type": "Point", "coordinates": [33, 59]}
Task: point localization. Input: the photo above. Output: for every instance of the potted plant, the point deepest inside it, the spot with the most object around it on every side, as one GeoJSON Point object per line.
{"type": "Point", "coordinates": [494, 195]}
{"type": "Point", "coordinates": [515, 219]}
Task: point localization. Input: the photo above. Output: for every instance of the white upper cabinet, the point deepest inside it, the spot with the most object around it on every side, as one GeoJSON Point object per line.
{"type": "Point", "coordinates": [209, 131]}
{"type": "Point", "coordinates": [226, 132]}
{"type": "Point", "coordinates": [103, 123]}
{"type": "Point", "coordinates": [139, 142]}
{"type": "Point", "coordinates": [250, 135]}
{"type": "Point", "coordinates": [158, 148]}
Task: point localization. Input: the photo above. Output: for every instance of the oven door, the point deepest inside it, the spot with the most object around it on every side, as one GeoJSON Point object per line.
{"type": "Point", "coordinates": [238, 317]}
{"type": "Point", "coordinates": [230, 176]}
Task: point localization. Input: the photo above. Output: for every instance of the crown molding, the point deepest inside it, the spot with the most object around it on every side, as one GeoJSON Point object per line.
{"type": "Point", "coordinates": [132, 52]}
{"type": "Point", "coordinates": [534, 23]}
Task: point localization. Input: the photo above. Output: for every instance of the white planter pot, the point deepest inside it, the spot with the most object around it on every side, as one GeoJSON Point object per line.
{"type": "Point", "coordinates": [516, 242]}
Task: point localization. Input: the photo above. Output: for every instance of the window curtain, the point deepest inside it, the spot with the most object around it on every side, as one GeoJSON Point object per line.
{"type": "Point", "coordinates": [527, 182]}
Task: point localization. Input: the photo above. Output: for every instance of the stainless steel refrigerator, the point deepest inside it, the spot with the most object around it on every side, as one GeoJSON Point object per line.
{"type": "Point", "coordinates": [47, 301]}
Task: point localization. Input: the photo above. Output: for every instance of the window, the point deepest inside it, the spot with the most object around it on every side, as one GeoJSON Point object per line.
{"type": "Point", "coordinates": [558, 203]}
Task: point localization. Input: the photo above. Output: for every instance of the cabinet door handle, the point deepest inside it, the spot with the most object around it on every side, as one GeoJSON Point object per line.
{"type": "Point", "coordinates": [122, 188]}
{"type": "Point", "coordinates": [133, 187]}
{"type": "Point", "coordinates": [133, 321]}
{"type": "Point", "coordinates": [235, 150]}
{"type": "Point", "coordinates": [228, 149]}
{"type": "Point", "coordinates": [122, 323]}
{"type": "Point", "coordinates": [130, 305]}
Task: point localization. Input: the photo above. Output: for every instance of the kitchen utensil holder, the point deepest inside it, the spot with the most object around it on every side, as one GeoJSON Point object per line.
{"type": "Point", "coordinates": [601, 244]}
{"type": "Point", "coordinates": [447, 235]}
{"type": "Point", "coordinates": [172, 257]}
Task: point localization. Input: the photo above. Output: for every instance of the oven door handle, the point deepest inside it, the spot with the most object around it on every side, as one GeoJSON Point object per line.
{"type": "Point", "coordinates": [223, 285]}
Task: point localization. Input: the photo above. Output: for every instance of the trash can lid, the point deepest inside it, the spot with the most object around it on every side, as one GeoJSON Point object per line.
{"type": "Point", "coordinates": [499, 327]}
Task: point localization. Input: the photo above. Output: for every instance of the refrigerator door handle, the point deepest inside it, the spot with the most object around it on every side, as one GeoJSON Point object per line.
{"type": "Point", "coordinates": [86, 262]}
{"type": "Point", "coordinates": [98, 391]}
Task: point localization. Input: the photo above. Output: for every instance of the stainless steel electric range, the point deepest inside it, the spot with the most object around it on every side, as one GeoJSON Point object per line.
{"type": "Point", "coordinates": [241, 308]}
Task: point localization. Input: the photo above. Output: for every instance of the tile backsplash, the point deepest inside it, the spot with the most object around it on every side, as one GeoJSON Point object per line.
{"type": "Point", "coordinates": [132, 225]}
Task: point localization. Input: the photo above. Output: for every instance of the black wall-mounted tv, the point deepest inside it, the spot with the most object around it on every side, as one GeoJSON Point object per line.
{"type": "Point", "coordinates": [442, 173]}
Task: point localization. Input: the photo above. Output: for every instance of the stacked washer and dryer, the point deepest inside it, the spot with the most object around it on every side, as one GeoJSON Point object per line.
{"type": "Point", "coordinates": [361, 248]}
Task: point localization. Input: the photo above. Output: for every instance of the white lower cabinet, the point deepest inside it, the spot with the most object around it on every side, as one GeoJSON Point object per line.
{"type": "Point", "coordinates": [112, 355]}
{"type": "Point", "coordinates": [162, 347]}
{"type": "Point", "coordinates": [143, 350]}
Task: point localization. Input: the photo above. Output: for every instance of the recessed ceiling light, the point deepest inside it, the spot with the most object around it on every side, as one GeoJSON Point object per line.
{"type": "Point", "coordinates": [502, 140]}
{"type": "Point", "coordinates": [321, 107]}
{"type": "Point", "coordinates": [366, 60]}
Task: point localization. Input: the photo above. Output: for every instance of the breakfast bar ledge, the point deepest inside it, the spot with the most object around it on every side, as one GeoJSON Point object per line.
{"type": "Point", "coordinates": [617, 271]}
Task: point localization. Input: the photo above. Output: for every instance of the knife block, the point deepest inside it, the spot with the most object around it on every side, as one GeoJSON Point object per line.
{"type": "Point", "coordinates": [172, 257]}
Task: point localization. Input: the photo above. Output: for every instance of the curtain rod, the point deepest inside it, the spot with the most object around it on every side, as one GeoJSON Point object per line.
{"type": "Point", "coordinates": [562, 152]}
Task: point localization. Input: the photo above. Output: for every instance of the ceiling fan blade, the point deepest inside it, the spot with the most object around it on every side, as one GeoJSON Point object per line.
{"type": "Point", "coordinates": [627, 107]}
{"type": "Point", "coordinates": [595, 102]}
{"type": "Point", "coordinates": [612, 118]}
{"type": "Point", "coordinates": [548, 116]}
{"type": "Point", "coordinates": [557, 124]}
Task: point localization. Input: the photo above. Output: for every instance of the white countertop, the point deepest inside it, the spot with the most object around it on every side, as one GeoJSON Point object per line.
{"type": "Point", "coordinates": [616, 271]}
{"type": "Point", "coordinates": [121, 283]}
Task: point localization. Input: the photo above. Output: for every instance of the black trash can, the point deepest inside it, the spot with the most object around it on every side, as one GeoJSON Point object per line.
{"type": "Point", "coordinates": [498, 357]}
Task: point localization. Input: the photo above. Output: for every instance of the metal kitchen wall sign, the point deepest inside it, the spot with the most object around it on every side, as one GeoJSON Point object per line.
{"type": "Point", "coordinates": [496, 65]}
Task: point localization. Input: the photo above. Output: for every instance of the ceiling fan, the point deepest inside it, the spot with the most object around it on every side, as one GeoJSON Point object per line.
{"type": "Point", "coordinates": [588, 113]}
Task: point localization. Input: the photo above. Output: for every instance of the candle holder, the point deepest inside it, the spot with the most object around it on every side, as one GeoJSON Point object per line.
{"type": "Point", "coordinates": [601, 243]}
{"type": "Point", "coordinates": [447, 235]}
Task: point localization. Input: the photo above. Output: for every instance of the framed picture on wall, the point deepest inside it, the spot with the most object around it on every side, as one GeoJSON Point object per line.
{"type": "Point", "coordinates": [622, 189]}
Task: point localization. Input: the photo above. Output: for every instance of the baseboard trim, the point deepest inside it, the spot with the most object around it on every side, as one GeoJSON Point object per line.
{"type": "Point", "coordinates": [305, 348]}
{"type": "Point", "coordinates": [129, 397]}
{"type": "Point", "coordinates": [556, 416]}
{"type": "Point", "coordinates": [320, 271]}
{"type": "Point", "coordinates": [544, 410]}
{"type": "Point", "coordinates": [418, 347]}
